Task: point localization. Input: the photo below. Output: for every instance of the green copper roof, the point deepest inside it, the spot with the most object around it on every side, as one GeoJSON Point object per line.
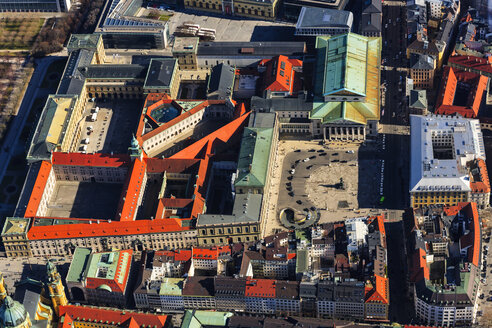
{"type": "Point", "coordinates": [253, 157]}
{"type": "Point", "coordinates": [343, 62]}
{"type": "Point", "coordinates": [347, 64]}
{"type": "Point", "coordinates": [172, 286]}
{"type": "Point", "coordinates": [79, 262]}
{"type": "Point", "coordinates": [198, 319]}
{"type": "Point", "coordinates": [83, 41]}
{"type": "Point", "coordinates": [12, 313]}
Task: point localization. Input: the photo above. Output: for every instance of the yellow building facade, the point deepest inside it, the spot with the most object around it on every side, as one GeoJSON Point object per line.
{"type": "Point", "coordinates": [422, 199]}
{"type": "Point", "coordinates": [246, 8]}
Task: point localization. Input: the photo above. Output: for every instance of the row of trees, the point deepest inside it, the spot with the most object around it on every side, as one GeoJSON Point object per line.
{"type": "Point", "coordinates": [57, 30]}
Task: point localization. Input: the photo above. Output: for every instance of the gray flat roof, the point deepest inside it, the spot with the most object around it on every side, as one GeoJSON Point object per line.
{"type": "Point", "coordinates": [251, 48]}
{"type": "Point", "coordinates": [280, 104]}
{"type": "Point", "coordinates": [316, 17]}
{"type": "Point", "coordinates": [246, 209]}
{"type": "Point", "coordinates": [160, 73]}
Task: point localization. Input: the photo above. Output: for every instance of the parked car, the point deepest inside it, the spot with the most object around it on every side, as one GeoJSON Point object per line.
{"type": "Point", "coordinates": [299, 201]}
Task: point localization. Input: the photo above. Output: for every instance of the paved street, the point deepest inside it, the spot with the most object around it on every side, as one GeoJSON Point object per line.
{"type": "Point", "coordinates": [394, 139]}
{"type": "Point", "coordinates": [401, 307]}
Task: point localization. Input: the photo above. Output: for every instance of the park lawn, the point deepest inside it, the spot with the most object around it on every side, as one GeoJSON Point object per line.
{"type": "Point", "coordinates": [19, 34]}
{"type": "Point", "coordinates": [165, 18]}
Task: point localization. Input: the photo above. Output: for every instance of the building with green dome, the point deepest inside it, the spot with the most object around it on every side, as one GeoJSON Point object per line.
{"type": "Point", "coordinates": [13, 315]}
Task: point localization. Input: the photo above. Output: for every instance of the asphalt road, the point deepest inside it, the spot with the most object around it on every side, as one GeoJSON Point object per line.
{"type": "Point", "coordinates": [17, 124]}
{"type": "Point", "coordinates": [395, 148]}
{"type": "Point", "coordinates": [401, 307]}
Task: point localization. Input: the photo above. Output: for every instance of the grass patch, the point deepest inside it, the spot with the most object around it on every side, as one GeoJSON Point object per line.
{"type": "Point", "coordinates": [164, 18]}
{"type": "Point", "coordinates": [19, 33]}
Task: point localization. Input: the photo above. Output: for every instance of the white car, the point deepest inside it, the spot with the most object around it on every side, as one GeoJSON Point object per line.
{"type": "Point", "coordinates": [350, 151]}
{"type": "Point", "coordinates": [306, 159]}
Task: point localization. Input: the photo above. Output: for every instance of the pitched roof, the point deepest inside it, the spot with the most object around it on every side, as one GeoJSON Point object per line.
{"type": "Point", "coordinates": [38, 189]}
{"type": "Point", "coordinates": [264, 288]}
{"type": "Point", "coordinates": [92, 160]}
{"type": "Point", "coordinates": [161, 72]}
{"type": "Point", "coordinates": [454, 99]}
{"type": "Point", "coordinates": [108, 269]}
{"type": "Point", "coordinates": [51, 127]}
{"type": "Point", "coordinates": [347, 63]}
{"type": "Point", "coordinates": [280, 75]}
{"type": "Point", "coordinates": [102, 229]}
{"type": "Point", "coordinates": [88, 314]}
{"type": "Point", "coordinates": [372, 6]}
{"type": "Point", "coordinates": [254, 157]}
{"type": "Point", "coordinates": [418, 99]}
{"type": "Point", "coordinates": [220, 82]}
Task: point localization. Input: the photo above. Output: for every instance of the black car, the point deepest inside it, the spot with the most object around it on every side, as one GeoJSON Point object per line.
{"type": "Point", "coordinates": [489, 299]}
{"type": "Point", "coordinates": [313, 208]}
{"type": "Point", "coordinates": [288, 183]}
{"type": "Point", "coordinates": [334, 154]}
{"type": "Point", "coordinates": [312, 157]}
{"type": "Point", "coordinates": [322, 154]}
{"type": "Point", "coordinates": [309, 167]}
{"type": "Point", "coordinates": [289, 177]}
{"type": "Point", "coordinates": [299, 201]}
{"type": "Point", "coordinates": [297, 151]}
{"type": "Point", "coordinates": [291, 194]}
{"type": "Point", "coordinates": [321, 151]}
{"type": "Point", "coordinates": [335, 160]}
{"type": "Point", "coordinates": [343, 161]}
{"type": "Point", "coordinates": [289, 188]}
{"type": "Point", "coordinates": [311, 150]}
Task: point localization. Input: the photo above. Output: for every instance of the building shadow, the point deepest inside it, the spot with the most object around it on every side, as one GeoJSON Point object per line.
{"type": "Point", "coordinates": [274, 33]}
{"type": "Point", "coordinates": [384, 187]}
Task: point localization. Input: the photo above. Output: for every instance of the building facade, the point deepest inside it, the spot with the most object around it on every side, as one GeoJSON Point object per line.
{"type": "Point", "coordinates": [243, 8]}
{"type": "Point", "coordinates": [441, 151]}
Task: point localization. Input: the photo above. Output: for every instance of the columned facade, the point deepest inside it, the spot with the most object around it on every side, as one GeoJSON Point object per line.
{"type": "Point", "coordinates": [344, 132]}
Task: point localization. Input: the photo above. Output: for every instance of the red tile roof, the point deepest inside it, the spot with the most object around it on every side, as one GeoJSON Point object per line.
{"type": "Point", "coordinates": [97, 159]}
{"type": "Point", "coordinates": [181, 255]}
{"type": "Point", "coordinates": [178, 119]}
{"type": "Point", "coordinates": [482, 184]}
{"type": "Point", "coordinates": [102, 229]}
{"type": "Point", "coordinates": [471, 63]}
{"type": "Point", "coordinates": [127, 210]}
{"type": "Point", "coordinates": [206, 144]}
{"type": "Point", "coordinates": [210, 253]}
{"type": "Point", "coordinates": [71, 313]}
{"type": "Point", "coordinates": [451, 79]}
{"type": "Point", "coordinates": [264, 288]}
{"type": "Point", "coordinates": [380, 293]}
{"type": "Point", "coordinates": [280, 75]}
{"type": "Point", "coordinates": [122, 269]}
{"type": "Point", "coordinates": [472, 213]}
{"type": "Point", "coordinates": [38, 189]}
{"type": "Point", "coordinates": [420, 269]}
